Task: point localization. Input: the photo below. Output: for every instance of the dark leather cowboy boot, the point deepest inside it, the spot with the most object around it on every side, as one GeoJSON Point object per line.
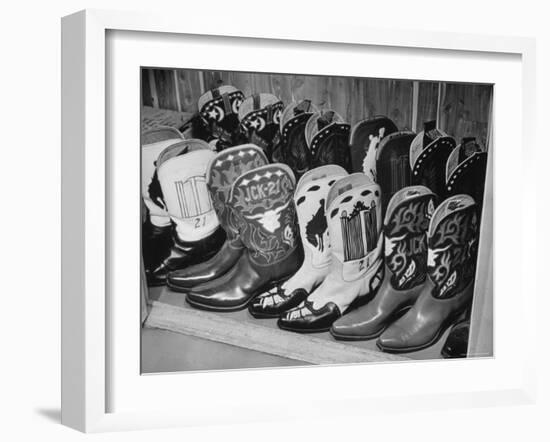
{"type": "Point", "coordinates": [260, 117]}
{"type": "Point", "coordinates": [219, 110]}
{"type": "Point", "coordinates": [327, 136]}
{"type": "Point", "coordinates": [261, 199]}
{"type": "Point", "coordinates": [393, 172]}
{"type": "Point", "coordinates": [309, 199]}
{"type": "Point", "coordinates": [428, 156]}
{"type": "Point", "coordinates": [292, 149]}
{"type": "Point", "coordinates": [466, 168]}
{"type": "Point", "coordinates": [354, 223]}
{"type": "Point", "coordinates": [181, 170]}
{"type": "Point", "coordinates": [221, 173]}
{"type": "Point", "coordinates": [406, 254]}
{"type": "Point", "coordinates": [448, 290]}
{"type": "Point", "coordinates": [361, 135]}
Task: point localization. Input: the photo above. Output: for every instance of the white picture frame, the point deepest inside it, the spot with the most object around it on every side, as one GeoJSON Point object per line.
{"type": "Point", "coordinates": [88, 355]}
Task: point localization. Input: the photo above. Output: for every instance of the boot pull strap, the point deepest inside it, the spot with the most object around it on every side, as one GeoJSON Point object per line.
{"type": "Point", "coordinates": [343, 189]}
{"type": "Point", "coordinates": [303, 107]}
{"type": "Point", "coordinates": [256, 101]}
{"type": "Point", "coordinates": [227, 104]}
{"type": "Point", "coordinates": [325, 119]}
{"type": "Point", "coordinates": [269, 116]}
{"type": "Point", "coordinates": [468, 147]}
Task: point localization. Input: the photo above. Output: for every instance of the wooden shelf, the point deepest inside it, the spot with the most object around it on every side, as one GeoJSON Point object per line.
{"type": "Point", "coordinates": [169, 311]}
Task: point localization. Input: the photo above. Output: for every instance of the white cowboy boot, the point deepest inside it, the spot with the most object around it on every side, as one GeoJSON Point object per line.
{"type": "Point", "coordinates": [181, 172]}
{"type": "Point", "coordinates": [355, 222]}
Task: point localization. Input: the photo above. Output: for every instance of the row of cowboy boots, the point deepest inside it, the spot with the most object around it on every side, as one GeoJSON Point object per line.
{"type": "Point", "coordinates": [430, 259]}
{"type": "Point", "coordinates": [253, 200]}
{"type": "Point", "coordinates": [299, 135]}
{"type": "Point", "coordinates": [340, 223]}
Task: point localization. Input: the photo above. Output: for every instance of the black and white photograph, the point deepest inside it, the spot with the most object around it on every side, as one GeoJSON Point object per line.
{"type": "Point", "coordinates": [293, 220]}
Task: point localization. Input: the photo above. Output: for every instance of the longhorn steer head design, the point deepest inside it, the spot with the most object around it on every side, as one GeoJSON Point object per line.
{"type": "Point", "coordinates": [270, 218]}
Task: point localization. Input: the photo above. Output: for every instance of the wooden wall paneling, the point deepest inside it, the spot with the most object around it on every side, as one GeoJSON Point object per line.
{"type": "Point", "coordinates": [427, 103]}
{"type": "Point", "coordinates": [465, 110]}
{"type": "Point", "coordinates": [340, 96]}
{"type": "Point", "coordinates": [189, 89]}
{"type": "Point", "coordinates": [146, 99]}
{"type": "Point", "coordinates": [166, 89]}
{"type": "Point", "coordinates": [212, 79]}
{"type": "Point", "coordinates": [358, 102]}
{"type": "Point", "coordinates": [414, 118]}
{"type": "Point", "coordinates": [392, 98]}
{"type": "Point", "coordinates": [177, 89]}
{"type": "Point", "coordinates": [153, 88]}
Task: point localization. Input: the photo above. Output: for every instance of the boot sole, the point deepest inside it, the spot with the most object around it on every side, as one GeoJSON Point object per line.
{"type": "Point", "coordinates": [304, 331]}
{"type": "Point", "coordinates": [374, 335]}
{"type": "Point", "coordinates": [265, 315]}
{"type": "Point", "coordinates": [446, 324]}
{"type": "Point", "coordinates": [210, 308]}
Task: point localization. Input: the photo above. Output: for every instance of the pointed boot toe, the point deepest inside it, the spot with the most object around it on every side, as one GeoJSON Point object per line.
{"type": "Point", "coordinates": [394, 340]}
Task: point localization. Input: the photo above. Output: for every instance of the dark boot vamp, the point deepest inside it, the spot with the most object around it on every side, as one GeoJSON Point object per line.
{"type": "Point", "coordinates": [242, 283]}
{"type": "Point", "coordinates": [424, 323]}
{"type": "Point", "coordinates": [371, 319]}
{"type": "Point", "coordinates": [215, 267]}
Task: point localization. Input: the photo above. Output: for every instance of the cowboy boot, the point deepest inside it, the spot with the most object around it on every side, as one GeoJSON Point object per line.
{"type": "Point", "coordinates": [327, 136]}
{"type": "Point", "coordinates": [466, 167]}
{"type": "Point", "coordinates": [181, 172]}
{"type": "Point", "coordinates": [361, 135]}
{"type": "Point", "coordinates": [356, 271]}
{"type": "Point", "coordinates": [448, 290]}
{"type": "Point", "coordinates": [292, 149]}
{"type": "Point", "coordinates": [406, 253]}
{"type": "Point", "coordinates": [392, 164]}
{"type": "Point", "coordinates": [219, 110]}
{"type": "Point", "coordinates": [156, 233]}
{"type": "Point", "coordinates": [428, 156]}
{"type": "Point", "coordinates": [261, 199]}
{"type": "Point", "coordinates": [309, 199]}
{"type": "Point", "coordinates": [260, 116]}
{"type": "Point", "coordinates": [222, 171]}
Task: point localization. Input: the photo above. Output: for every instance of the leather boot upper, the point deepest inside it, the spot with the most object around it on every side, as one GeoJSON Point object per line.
{"type": "Point", "coordinates": [447, 292]}
{"type": "Point", "coordinates": [406, 252]}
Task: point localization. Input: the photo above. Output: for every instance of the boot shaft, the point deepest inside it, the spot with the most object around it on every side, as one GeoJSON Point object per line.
{"type": "Point", "coordinates": [262, 202]}
{"type": "Point", "coordinates": [219, 109]}
{"type": "Point", "coordinates": [327, 136]}
{"type": "Point", "coordinates": [428, 156]}
{"type": "Point", "coordinates": [361, 135]}
{"type": "Point", "coordinates": [181, 173]}
{"type": "Point", "coordinates": [222, 171]}
{"type": "Point", "coordinates": [392, 164]}
{"type": "Point", "coordinates": [292, 149]}
{"type": "Point", "coordinates": [466, 168]}
{"type": "Point", "coordinates": [452, 246]}
{"type": "Point", "coordinates": [260, 117]}
{"type": "Point", "coordinates": [405, 236]}
{"type": "Point", "coordinates": [355, 222]}
{"type": "Point", "coordinates": [310, 197]}
{"type": "Point", "coordinates": [153, 142]}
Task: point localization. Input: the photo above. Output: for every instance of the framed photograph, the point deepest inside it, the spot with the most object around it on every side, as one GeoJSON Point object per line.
{"type": "Point", "coordinates": [238, 220]}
